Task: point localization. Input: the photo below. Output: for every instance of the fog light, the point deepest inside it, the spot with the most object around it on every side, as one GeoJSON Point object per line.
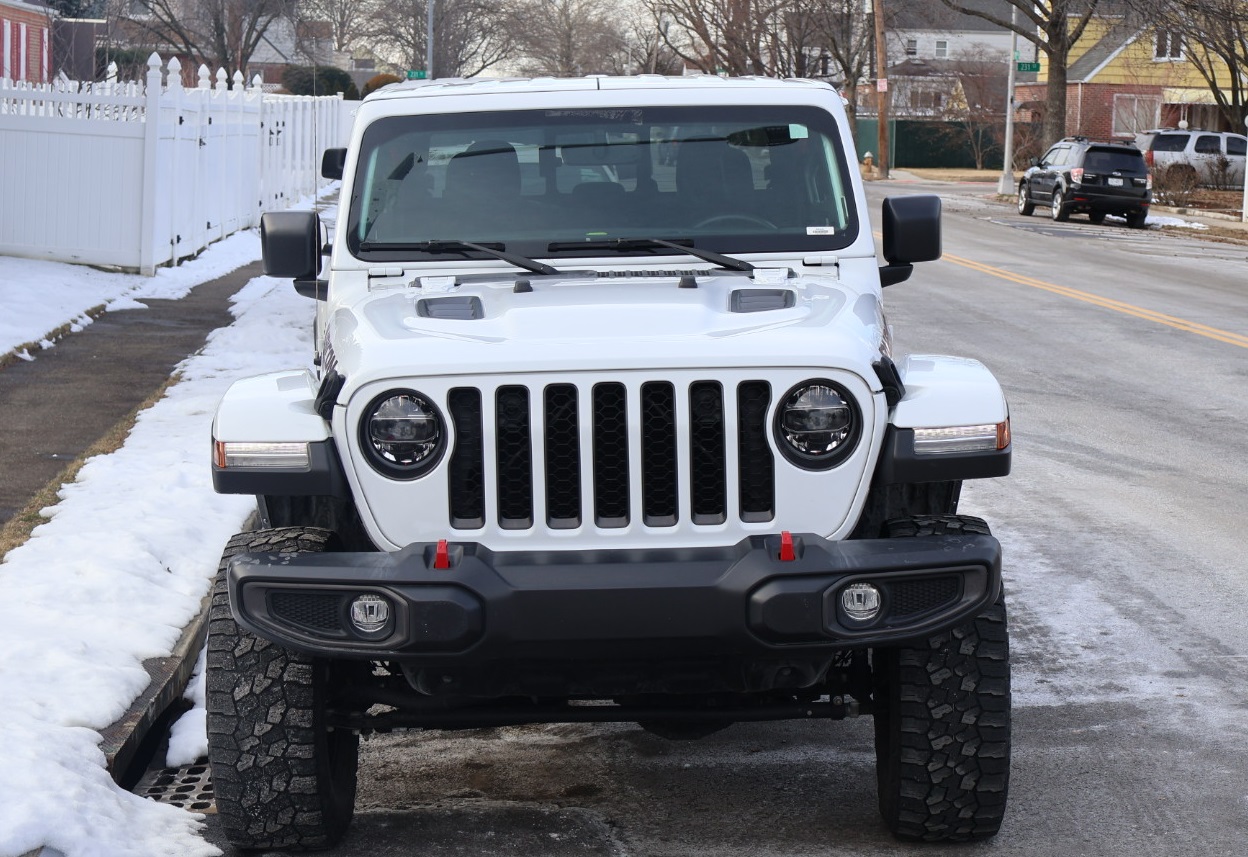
{"type": "Point", "coordinates": [370, 613]}
{"type": "Point", "coordinates": [861, 602]}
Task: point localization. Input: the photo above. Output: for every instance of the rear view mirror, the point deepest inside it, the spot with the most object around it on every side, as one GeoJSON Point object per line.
{"type": "Point", "coordinates": [911, 227]}
{"type": "Point", "coordinates": [333, 161]}
{"type": "Point", "coordinates": [290, 243]}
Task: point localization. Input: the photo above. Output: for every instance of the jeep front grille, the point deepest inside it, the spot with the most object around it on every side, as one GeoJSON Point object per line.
{"type": "Point", "coordinates": [654, 438]}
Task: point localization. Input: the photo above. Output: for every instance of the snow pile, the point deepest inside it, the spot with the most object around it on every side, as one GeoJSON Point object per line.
{"type": "Point", "coordinates": [120, 567]}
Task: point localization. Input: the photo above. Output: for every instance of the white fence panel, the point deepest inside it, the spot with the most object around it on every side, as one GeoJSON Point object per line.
{"type": "Point", "coordinates": [139, 175]}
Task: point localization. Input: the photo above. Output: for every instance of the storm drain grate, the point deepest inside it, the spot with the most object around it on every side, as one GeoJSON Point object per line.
{"type": "Point", "coordinates": [187, 787]}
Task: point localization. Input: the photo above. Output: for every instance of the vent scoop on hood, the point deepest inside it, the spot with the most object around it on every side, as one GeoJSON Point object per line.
{"type": "Point", "coordinates": [762, 300]}
{"type": "Point", "coordinates": [452, 308]}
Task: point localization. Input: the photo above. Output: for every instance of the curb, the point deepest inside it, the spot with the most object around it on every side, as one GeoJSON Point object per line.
{"type": "Point", "coordinates": [169, 678]}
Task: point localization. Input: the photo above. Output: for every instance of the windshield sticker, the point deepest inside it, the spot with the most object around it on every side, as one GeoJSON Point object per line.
{"type": "Point", "coordinates": [820, 230]}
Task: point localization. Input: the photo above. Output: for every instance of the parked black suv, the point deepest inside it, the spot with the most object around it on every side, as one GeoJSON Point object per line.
{"type": "Point", "coordinates": [1078, 175]}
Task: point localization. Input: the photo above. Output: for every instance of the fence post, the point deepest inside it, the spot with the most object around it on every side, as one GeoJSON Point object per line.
{"type": "Point", "coordinates": [151, 132]}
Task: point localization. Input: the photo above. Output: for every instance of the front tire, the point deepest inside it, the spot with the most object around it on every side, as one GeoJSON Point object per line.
{"type": "Point", "coordinates": [1025, 205]}
{"type": "Point", "coordinates": [942, 720]}
{"type": "Point", "coordinates": [282, 778]}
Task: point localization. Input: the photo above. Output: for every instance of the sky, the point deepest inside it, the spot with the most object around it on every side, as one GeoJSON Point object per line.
{"type": "Point", "coordinates": [103, 585]}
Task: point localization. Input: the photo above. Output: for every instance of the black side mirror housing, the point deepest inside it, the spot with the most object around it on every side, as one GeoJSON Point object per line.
{"type": "Point", "coordinates": [290, 243]}
{"type": "Point", "coordinates": [333, 162]}
{"type": "Point", "coordinates": [911, 227]}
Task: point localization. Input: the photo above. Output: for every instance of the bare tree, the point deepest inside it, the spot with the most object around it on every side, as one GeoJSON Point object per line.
{"type": "Point", "coordinates": [846, 37]}
{"type": "Point", "coordinates": [1054, 26]}
{"type": "Point", "coordinates": [349, 20]}
{"type": "Point", "coordinates": [728, 36]}
{"type": "Point", "coordinates": [470, 36]}
{"type": "Point", "coordinates": [217, 33]}
{"type": "Point", "coordinates": [977, 110]}
{"type": "Point", "coordinates": [1213, 36]}
{"type": "Point", "coordinates": [569, 38]}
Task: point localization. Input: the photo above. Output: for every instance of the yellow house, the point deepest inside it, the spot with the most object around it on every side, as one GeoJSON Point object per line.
{"type": "Point", "coordinates": [1124, 77]}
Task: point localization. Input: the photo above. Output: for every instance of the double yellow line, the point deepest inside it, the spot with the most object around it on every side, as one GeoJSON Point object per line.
{"type": "Point", "coordinates": [1107, 303]}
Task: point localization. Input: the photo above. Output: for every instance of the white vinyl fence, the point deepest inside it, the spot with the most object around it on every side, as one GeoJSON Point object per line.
{"type": "Point", "coordinates": [141, 175]}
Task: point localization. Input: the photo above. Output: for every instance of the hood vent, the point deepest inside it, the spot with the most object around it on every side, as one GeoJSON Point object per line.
{"type": "Point", "coordinates": [762, 300]}
{"type": "Point", "coordinates": [453, 308]}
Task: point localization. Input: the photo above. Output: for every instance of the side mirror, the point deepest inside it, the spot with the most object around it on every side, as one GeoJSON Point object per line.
{"type": "Point", "coordinates": [1035, 162]}
{"type": "Point", "coordinates": [333, 162]}
{"type": "Point", "coordinates": [290, 243]}
{"type": "Point", "coordinates": [911, 227]}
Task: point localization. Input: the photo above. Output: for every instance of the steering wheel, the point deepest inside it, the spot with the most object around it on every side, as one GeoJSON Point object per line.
{"type": "Point", "coordinates": [744, 218]}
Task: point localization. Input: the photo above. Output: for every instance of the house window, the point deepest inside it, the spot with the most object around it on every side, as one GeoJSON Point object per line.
{"type": "Point", "coordinates": [1169, 45]}
{"type": "Point", "coordinates": [942, 49]}
{"type": "Point", "coordinates": [912, 47]}
{"type": "Point", "coordinates": [1135, 113]}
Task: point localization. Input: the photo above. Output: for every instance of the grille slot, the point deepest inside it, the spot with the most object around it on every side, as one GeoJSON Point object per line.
{"type": "Point", "coordinates": [515, 458]}
{"type": "Point", "coordinates": [320, 612]}
{"type": "Point", "coordinates": [563, 458]}
{"type": "Point", "coordinates": [466, 477]}
{"type": "Point", "coordinates": [756, 465]}
{"type": "Point", "coordinates": [611, 497]}
{"type": "Point", "coordinates": [658, 454]}
{"type": "Point", "coordinates": [707, 475]}
{"type": "Point", "coordinates": [912, 597]}
{"type": "Point", "coordinates": [646, 448]}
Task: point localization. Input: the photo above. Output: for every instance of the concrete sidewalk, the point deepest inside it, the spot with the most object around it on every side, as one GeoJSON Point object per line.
{"type": "Point", "coordinates": [52, 409]}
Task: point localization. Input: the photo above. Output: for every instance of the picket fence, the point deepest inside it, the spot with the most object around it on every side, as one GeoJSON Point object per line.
{"type": "Point", "coordinates": [138, 175]}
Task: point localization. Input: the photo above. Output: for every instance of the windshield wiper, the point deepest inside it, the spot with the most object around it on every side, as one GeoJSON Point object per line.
{"type": "Point", "coordinates": [498, 251]}
{"type": "Point", "coordinates": [685, 245]}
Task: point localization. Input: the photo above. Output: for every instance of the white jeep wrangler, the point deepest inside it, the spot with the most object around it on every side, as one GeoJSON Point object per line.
{"type": "Point", "coordinates": [605, 427]}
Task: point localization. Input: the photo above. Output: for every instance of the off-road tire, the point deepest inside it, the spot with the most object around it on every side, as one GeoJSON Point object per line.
{"type": "Point", "coordinates": [942, 719]}
{"type": "Point", "coordinates": [281, 778]}
{"type": "Point", "coordinates": [1025, 205]}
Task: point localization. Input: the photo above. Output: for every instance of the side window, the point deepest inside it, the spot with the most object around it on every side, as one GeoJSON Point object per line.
{"type": "Point", "coordinates": [1050, 157]}
{"type": "Point", "coordinates": [1208, 144]}
{"type": "Point", "coordinates": [1237, 146]}
{"type": "Point", "coordinates": [1170, 142]}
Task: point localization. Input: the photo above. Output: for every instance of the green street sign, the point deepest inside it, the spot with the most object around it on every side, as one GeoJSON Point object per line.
{"type": "Point", "coordinates": [415, 74]}
{"type": "Point", "coordinates": [1029, 66]}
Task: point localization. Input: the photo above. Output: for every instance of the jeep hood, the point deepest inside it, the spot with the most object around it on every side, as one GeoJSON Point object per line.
{"type": "Point", "coordinates": [607, 321]}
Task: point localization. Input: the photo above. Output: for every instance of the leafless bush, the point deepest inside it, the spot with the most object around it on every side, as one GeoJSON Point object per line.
{"type": "Point", "coordinates": [1175, 185]}
{"type": "Point", "coordinates": [1220, 171]}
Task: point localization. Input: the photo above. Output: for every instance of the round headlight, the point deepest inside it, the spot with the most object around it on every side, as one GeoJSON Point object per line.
{"type": "Point", "coordinates": [818, 424]}
{"type": "Point", "coordinates": [402, 434]}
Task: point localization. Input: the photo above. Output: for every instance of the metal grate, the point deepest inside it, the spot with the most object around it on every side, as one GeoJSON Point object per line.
{"type": "Point", "coordinates": [610, 455]}
{"type": "Point", "coordinates": [515, 459]}
{"type": "Point", "coordinates": [563, 458]}
{"type": "Point", "coordinates": [708, 476]}
{"type": "Point", "coordinates": [188, 787]}
{"type": "Point", "coordinates": [658, 454]}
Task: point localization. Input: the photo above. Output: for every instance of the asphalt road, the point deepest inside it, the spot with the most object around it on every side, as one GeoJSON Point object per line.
{"type": "Point", "coordinates": [1124, 355]}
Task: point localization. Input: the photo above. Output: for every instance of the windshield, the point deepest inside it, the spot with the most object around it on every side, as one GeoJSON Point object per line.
{"type": "Point", "coordinates": [732, 179]}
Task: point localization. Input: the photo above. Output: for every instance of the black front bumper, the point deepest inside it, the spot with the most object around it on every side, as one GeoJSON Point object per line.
{"type": "Point", "coordinates": [740, 602]}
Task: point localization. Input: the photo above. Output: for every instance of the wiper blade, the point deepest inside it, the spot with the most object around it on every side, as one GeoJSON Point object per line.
{"type": "Point", "coordinates": [498, 251]}
{"type": "Point", "coordinates": [685, 245]}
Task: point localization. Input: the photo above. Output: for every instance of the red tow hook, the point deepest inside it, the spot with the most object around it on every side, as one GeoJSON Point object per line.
{"type": "Point", "coordinates": [442, 555]}
{"type": "Point", "coordinates": [787, 553]}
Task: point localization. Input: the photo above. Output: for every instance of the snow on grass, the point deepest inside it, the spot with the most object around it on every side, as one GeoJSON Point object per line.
{"type": "Point", "coordinates": [121, 565]}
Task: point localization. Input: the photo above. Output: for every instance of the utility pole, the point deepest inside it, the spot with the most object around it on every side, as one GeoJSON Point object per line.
{"type": "Point", "coordinates": [882, 95]}
{"type": "Point", "coordinates": [1006, 185]}
{"type": "Point", "coordinates": [428, 39]}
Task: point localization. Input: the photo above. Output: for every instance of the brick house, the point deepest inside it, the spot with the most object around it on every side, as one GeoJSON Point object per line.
{"type": "Point", "coordinates": [25, 41]}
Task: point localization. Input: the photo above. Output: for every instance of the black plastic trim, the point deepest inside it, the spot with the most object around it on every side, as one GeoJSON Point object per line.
{"type": "Point", "coordinates": [900, 464]}
{"type": "Point", "coordinates": [323, 478]}
{"type": "Point", "coordinates": [495, 608]}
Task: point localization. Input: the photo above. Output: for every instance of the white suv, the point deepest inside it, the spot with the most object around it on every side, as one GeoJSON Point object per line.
{"type": "Point", "coordinates": [1212, 158]}
{"type": "Point", "coordinates": [605, 426]}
